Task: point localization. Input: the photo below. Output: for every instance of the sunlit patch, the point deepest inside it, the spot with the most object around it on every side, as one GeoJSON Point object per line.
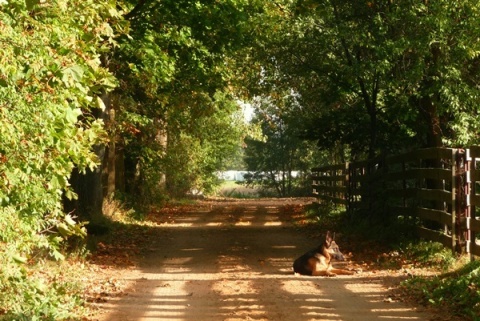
{"type": "Point", "coordinates": [317, 300]}
{"type": "Point", "coordinates": [323, 315]}
{"type": "Point", "coordinates": [235, 299]}
{"type": "Point", "coordinates": [193, 249]}
{"type": "Point", "coordinates": [214, 224]}
{"type": "Point", "coordinates": [392, 310]}
{"type": "Point", "coordinates": [177, 224]}
{"type": "Point", "coordinates": [273, 223]}
{"type": "Point", "coordinates": [243, 223]}
{"type": "Point", "coordinates": [396, 317]}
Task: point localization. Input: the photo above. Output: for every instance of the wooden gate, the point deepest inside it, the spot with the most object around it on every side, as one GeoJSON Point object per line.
{"type": "Point", "coordinates": [437, 187]}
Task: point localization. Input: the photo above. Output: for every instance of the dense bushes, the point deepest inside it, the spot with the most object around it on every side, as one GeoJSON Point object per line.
{"type": "Point", "coordinates": [50, 80]}
{"type": "Point", "coordinates": [459, 292]}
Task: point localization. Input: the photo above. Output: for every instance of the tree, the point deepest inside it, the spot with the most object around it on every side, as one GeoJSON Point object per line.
{"type": "Point", "coordinates": [51, 80]}
{"type": "Point", "coordinates": [280, 152]}
{"type": "Point", "coordinates": [376, 77]}
{"type": "Point", "coordinates": [175, 93]}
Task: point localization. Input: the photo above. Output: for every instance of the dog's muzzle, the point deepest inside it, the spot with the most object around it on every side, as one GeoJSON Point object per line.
{"type": "Point", "coordinates": [339, 257]}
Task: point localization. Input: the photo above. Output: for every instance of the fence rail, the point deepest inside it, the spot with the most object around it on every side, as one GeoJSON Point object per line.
{"type": "Point", "coordinates": [437, 187]}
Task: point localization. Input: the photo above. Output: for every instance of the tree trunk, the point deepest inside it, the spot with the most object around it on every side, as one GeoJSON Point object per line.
{"type": "Point", "coordinates": [111, 161]}
{"type": "Point", "coordinates": [428, 111]}
{"type": "Point", "coordinates": [162, 139]}
{"type": "Point", "coordinates": [89, 186]}
{"type": "Point", "coordinates": [120, 167]}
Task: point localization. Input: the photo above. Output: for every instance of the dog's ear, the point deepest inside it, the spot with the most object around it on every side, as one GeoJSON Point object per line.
{"type": "Point", "coordinates": [328, 238]}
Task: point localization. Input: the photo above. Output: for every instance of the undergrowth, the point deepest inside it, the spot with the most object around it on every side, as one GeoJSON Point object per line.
{"type": "Point", "coordinates": [47, 291]}
{"type": "Point", "coordinates": [456, 286]}
{"type": "Point", "coordinates": [326, 215]}
{"type": "Point", "coordinates": [428, 254]}
{"type": "Point", "coordinates": [458, 291]}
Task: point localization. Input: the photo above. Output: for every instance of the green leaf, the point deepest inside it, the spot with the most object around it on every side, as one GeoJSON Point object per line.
{"type": "Point", "coordinates": [70, 220]}
{"type": "Point", "coordinates": [72, 114]}
{"type": "Point", "coordinates": [31, 4]}
{"type": "Point", "coordinates": [100, 103]}
{"type": "Point", "coordinates": [72, 75]}
{"type": "Point", "coordinates": [19, 259]}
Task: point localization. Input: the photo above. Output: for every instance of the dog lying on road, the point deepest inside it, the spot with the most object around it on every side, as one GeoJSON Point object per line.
{"type": "Point", "coordinates": [318, 262]}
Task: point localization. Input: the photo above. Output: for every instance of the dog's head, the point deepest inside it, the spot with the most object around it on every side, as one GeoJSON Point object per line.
{"type": "Point", "coordinates": [332, 247]}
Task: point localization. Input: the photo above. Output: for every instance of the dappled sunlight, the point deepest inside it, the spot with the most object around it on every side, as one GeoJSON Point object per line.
{"type": "Point", "coordinates": [214, 224]}
{"type": "Point", "coordinates": [221, 217]}
{"type": "Point", "coordinates": [192, 249]}
{"type": "Point", "coordinates": [396, 317]}
{"type": "Point", "coordinates": [273, 223]}
{"type": "Point", "coordinates": [179, 224]}
{"type": "Point", "coordinates": [243, 223]}
{"type": "Point", "coordinates": [235, 263]}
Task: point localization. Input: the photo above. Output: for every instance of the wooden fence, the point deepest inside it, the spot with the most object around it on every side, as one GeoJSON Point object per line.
{"type": "Point", "coordinates": [438, 188]}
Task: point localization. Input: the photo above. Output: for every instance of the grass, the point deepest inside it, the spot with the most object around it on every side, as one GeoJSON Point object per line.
{"type": "Point", "coordinates": [233, 189]}
{"type": "Point", "coordinates": [457, 292]}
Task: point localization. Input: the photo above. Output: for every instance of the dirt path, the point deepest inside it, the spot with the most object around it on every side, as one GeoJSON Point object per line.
{"type": "Point", "coordinates": [232, 261]}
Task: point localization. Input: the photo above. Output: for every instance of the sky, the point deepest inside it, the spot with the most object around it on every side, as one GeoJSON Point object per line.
{"type": "Point", "coordinates": [247, 110]}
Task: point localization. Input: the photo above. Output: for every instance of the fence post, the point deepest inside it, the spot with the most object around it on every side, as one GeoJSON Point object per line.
{"type": "Point", "coordinates": [455, 201]}
{"type": "Point", "coordinates": [461, 205]}
{"type": "Point", "coordinates": [347, 184]}
{"type": "Point", "coordinates": [469, 191]}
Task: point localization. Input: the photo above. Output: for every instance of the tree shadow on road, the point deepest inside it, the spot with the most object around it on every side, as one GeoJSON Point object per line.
{"type": "Point", "coordinates": [234, 263]}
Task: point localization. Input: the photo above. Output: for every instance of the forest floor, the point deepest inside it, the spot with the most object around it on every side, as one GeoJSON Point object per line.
{"type": "Point", "coordinates": [232, 260]}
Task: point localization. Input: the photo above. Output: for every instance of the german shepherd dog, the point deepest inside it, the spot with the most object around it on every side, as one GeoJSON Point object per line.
{"type": "Point", "coordinates": [318, 262]}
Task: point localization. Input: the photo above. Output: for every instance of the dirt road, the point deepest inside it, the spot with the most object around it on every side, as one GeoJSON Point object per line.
{"type": "Point", "coordinates": [233, 261]}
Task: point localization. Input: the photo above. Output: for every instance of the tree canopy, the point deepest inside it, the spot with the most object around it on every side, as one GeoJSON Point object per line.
{"type": "Point", "coordinates": [377, 77]}
{"type": "Point", "coordinates": [141, 99]}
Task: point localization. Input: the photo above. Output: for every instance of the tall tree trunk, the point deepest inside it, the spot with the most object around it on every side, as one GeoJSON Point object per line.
{"type": "Point", "coordinates": [162, 139]}
{"type": "Point", "coordinates": [89, 186]}
{"type": "Point", "coordinates": [111, 160]}
{"type": "Point", "coordinates": [114, 165]}
{"type": "Point", "coordinates": [120, 167]}
{"type": "Point", "coordinates": [429, 114]}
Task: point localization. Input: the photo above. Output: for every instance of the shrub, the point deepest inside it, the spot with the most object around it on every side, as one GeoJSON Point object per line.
{"type": "Point", "coordinates": [458, 292]}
